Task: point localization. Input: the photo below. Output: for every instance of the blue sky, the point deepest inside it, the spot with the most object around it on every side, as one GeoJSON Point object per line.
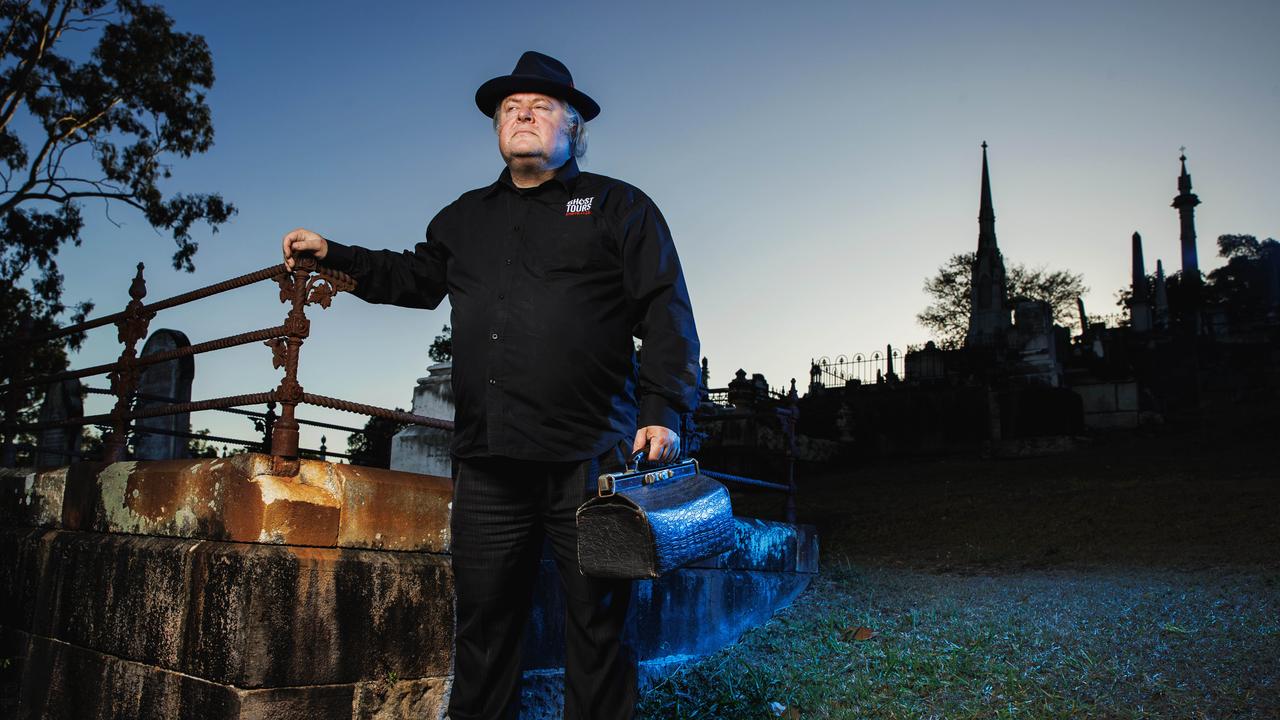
{"type": "Point", "coordinates": [815, 161]}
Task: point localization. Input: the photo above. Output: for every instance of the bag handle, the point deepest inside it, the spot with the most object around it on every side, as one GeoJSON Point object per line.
{"type": "Point", "coordinates": [636, 457]}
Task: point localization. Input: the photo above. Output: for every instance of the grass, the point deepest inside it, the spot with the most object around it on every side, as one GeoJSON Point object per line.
{"type": "Point", "coordinates": [1139, 578]}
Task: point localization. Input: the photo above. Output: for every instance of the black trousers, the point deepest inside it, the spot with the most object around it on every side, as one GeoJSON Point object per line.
{"type": "Point", "coordinates": [503, 509]}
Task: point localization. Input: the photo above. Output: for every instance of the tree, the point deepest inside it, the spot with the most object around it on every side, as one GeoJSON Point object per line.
{"type": "Point", "coordinates": [441, 349]}
{"type": "Point", "coordinates": [101, 126]}
{"type": "Point", "coordinates": [1245, 287]}
{"type": "Point", "coordinates": [372, 446]}
{"type": "Point", "coordinates": [200, 447]}
{"type": "Point", "coordinates": [947, 316]}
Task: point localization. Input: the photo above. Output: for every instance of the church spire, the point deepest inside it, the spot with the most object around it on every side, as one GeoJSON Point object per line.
{"type": "Point", "coordinates": [986, 211]}
{"type": "Point", "coordinates": [988, 292]}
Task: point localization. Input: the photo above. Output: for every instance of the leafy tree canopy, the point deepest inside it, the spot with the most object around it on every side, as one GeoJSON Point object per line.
{"type": "Point", "coordinates": [372, 447]}
{"type": "Point", "coordinates": [1249, 282]}
{"type": "Point", "coordinates": [96, 118]}
{"type": "Point", "coordinates": [947, 315]}
{"type": "Point", "coordinates": [441, 349]}
{"type": "Point", "coordinates": [1245, 287]}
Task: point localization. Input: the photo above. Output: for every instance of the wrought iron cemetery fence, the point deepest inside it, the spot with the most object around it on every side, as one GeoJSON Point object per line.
{"type": "Point", "coordinates": [306, 285]}
{"type": "Point", "coordinates": [862, 368]}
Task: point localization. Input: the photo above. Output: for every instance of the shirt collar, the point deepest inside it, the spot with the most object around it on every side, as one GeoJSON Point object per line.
{"type": "Point", "coordinates": [566, 177]}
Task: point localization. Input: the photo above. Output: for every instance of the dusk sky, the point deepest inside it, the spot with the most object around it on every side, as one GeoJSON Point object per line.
{"type": "Point", "coordinates": [815, 161]}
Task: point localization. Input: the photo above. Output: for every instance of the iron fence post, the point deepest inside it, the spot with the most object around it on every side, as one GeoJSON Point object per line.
{"type": "Point", "coordinates": [130, 328]}
{"type": "Point", "coordinates": [284, 431]}
{"type": "Point", "coordinates": [791, 419]}
{"type": "Point", "coordinates": [303, 286]}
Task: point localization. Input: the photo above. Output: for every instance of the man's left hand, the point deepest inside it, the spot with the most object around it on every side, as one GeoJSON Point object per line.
{"type": "Point", "coordinates": [664, 443]}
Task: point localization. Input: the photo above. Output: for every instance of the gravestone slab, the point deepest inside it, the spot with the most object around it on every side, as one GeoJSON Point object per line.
{"type": "Point", "coordinates": [162, 384]}
{"type": "Point", "coordinates": [62, 401]}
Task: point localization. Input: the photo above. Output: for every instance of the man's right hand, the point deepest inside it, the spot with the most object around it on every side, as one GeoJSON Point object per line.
{"type": "Point", "coordinates": [304, 241]}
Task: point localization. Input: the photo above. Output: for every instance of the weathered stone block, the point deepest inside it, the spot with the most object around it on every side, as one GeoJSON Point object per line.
{"type": "Point", "coordinates": [806, 549]}
{"type": "Point", "coordinates": [392, 510]}
{"type": "Point", "coordinates": [234, 499]}
{"type": "Point", "coordinates": [64, 681]}
{"type": "Point", "coordinates": [311, 615]}
{"type": "Point", "coordinates": [250, 615]}
{"type": "Point", "coordinates": [425, 698]}
{"type": "Point", "coordinates": [716, 607]}
{"type": "Point", "coordinates": [237, 499]}
{"type": "Point", "coordinates": [13, 649]}
{"type": "Point", "coordinates": [120, 594]}
{"type": "Point", "coordinates": [321, 702]}
{"type": "Point", "coordinates": [758, 545]}
{"type": "Point", "coordinates": [31, 498]}
{"type": "Point", "coordinates": [767, 546]}
{"type": "Point", "coordinates": [24, 554]}
{"type": "Point", "coordinates": [690, 611]}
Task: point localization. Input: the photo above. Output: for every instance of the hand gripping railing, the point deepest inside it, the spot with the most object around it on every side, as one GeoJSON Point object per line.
{"type": "Point", "coordinates": [307, 284]}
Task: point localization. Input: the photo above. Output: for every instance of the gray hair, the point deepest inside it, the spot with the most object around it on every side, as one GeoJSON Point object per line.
{"type": "Point", "coordinates": [577, 127]}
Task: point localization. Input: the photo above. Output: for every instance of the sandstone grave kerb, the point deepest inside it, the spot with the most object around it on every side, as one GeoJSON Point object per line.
{"type": "Point", "coordinates": [238, 499]}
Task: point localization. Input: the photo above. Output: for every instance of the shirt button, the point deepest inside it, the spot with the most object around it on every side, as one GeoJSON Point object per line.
{"type": "Point", "coordinates": [493, 336]}
{"type": "Point", "coordinates": [501, 296]}
{"type": "Point", "coordinates": [508, 261]}
{"type": "Point", "coordinates": [492, 381]}
{"type": "Point", "coordinates": [516, 228]}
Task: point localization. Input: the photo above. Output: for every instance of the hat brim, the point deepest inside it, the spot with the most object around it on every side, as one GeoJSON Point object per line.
{"type": "Point", "coordinates": [492, 92]}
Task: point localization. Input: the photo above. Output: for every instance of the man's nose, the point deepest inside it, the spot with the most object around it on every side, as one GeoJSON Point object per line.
{"type": "Point", "coordinates": [524, 114]}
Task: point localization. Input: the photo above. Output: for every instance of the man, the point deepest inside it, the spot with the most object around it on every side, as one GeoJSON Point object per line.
{"type": "Point", "coordinates": [550, 272]}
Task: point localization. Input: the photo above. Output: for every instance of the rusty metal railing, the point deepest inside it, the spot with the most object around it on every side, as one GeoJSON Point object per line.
{"type": "Point", "coordinates": [307, 284]}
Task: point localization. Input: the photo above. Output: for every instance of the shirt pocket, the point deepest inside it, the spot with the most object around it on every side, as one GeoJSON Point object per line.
{"type": "Point", "coordinates": [573, 246]}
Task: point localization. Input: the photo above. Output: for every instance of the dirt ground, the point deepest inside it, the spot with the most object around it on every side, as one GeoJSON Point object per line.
{"type": "Point", "coordinates": [1137, 576]}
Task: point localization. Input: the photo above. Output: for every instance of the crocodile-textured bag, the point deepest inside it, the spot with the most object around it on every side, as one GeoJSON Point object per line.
{"type": "Point", "coordinates": [643, 523]}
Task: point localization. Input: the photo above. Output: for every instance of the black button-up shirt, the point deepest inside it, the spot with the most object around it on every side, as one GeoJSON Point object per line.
{"type": "Point", "coordinates": [548, 285]}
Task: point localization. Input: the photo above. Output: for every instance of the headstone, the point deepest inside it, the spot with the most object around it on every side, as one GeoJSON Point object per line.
{"type": "Point", "coordinates": [926, 365]}
{"type": "Point", "coordinates": [163, 384]}
{"type": "Point", "coordinates": [421, 449]}
{"type": "Point", "coordinates": [1037, 348]}
{"type": "Point", "coordinates": [62, 401]}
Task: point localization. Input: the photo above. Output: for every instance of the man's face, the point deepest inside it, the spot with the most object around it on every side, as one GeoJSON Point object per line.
{"type": "Point", "coordinates": [533, 131]}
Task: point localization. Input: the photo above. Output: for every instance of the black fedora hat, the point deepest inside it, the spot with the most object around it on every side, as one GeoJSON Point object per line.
{"type": "Point", "coordinates": [538, 73]}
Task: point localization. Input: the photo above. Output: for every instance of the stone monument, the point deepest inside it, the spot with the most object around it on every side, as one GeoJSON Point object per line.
{"type": "Point", "coordinates": [62, 400]}
{"type": "Point", "coordinates": [422, 449]}
{"type": "Point", "coordinates": [162, 384]}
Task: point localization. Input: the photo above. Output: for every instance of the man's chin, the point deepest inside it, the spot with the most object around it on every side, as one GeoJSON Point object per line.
{"type": "Point", "coordinates": [526, 161]}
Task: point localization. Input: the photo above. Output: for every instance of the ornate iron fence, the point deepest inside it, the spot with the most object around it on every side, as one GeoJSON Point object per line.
{"type": "Point", "coordinates": [307, 284]}
{"type": "Point", "coordinates": [865, 369]}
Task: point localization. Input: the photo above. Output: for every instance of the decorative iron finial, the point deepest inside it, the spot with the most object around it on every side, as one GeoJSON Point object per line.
{"type": "Point", "coordinates": [138, 288]}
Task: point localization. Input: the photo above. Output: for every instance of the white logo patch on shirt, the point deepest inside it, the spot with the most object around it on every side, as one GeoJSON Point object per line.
{"type": "Point", "coordinates": [578, 206]}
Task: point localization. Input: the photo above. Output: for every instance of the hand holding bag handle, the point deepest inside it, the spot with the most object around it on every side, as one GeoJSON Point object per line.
{"type": "Point", "coordinates": [642, 524]}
